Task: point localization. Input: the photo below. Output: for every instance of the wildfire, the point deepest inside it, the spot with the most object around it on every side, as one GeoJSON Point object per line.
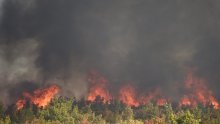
{"type": "Point", "coordinates": [150, 96]}
{"type": "Point", "coordinates": [161, 102]}
{"type": "Point", "coordinates": [40, 97]}
{"type": "Point", "coordinates": [128, 95]}
{"type": "Point", "coordinates": [185, 101]}
{"type": "Point", "coordinates": [20, 104]}
{"type": "Point", "coordinates": [198, 92]}
{"type": "Point", "coordinates": [98, 87]}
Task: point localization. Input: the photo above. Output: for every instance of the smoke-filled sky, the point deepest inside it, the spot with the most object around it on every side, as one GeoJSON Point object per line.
{"type": "Point", "coordinates": [147, 43]}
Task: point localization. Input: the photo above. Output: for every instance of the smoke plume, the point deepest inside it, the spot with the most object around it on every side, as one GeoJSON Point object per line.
{"type": "Point", "coordinates": [145, 43]}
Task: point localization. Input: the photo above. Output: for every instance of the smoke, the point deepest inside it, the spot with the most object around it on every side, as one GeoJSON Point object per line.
{"type": "Point", "coordinates": [146, 43]}
{"type": "Point", "coordinates": [17, 66]}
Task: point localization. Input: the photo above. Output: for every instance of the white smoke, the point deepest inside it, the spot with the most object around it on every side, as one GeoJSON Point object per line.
{"type": "Point", "coordinates": [17, 64]}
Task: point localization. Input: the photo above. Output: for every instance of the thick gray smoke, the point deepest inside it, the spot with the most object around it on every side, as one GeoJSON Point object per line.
{"type": "Point", "coordinates": [147, 42]}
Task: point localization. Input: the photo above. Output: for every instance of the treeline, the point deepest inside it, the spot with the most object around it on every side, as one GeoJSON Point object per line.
{"type": "Point", "coordinates": [64, 110]}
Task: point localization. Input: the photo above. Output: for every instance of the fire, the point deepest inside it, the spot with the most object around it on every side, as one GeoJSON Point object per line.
{"type": "Point", "coordinates": [128, 95]}
{"type": "Point", "coordinates": [161, 102]}
{"type": "Point", "coordinates": [40, 97]}
{"type": "Point", "coordinates": [98, 87]}
{"type": "Point", "coordinates": [151, 96]}
{"type": "Point", "coordinates": [20, 104]}
{"type": "Point", "coordinates": [198, 92]}
{"type": "Point", "coordinates": [214, 102]}
{"type": "Point", "coordinates": [188, 101]}
{"type": "Point", "coordinates": [185, 101]}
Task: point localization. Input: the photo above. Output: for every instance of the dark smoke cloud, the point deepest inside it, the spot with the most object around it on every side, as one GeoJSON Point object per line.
{"type": "Point", "coordinates": [149, 43]}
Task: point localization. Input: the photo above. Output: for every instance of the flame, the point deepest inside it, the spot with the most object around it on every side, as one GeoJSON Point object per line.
{"type": "Point", "coordinates": [20, 104]}
{"type": "Point", "coordinates": [185, 101]}
{"type": "Point", "coordinates": [127, 95]}
{"type": "Point", "coordinates": [161, 102]}
{"type": "Point", "coordinates": [151, 96]}
{"type": "Point", "coordinates": [214, 102]}
{"type": "Point", "coordinates": [188, 101]}
{"type": "Point", "coordinates": [40, 97]}
{"type": "Point", "coordinates": [198, 93]}
{"type": "Point", "coordinates": [98, 87]}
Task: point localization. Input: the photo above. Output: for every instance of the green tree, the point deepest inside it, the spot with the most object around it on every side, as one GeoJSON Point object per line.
{"type": "Point", "coordinates": [170, 116]}
{"type": "Point", "coordinates": [24, 115]}
{"type": "Point", "coordinates": [7, 120]}
{"type": "Point", "coordinates": [1, 110]}
{"type": "Point", "coordinates": [187, 118]}
{"type": "Point", "coordinates": [127, 114]}
{"type": "Point", "coordinates": [60, 110]}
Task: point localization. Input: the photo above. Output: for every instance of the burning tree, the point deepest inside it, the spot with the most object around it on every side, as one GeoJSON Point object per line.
{"type": "Point", "coordinates": [40, 97]}
{"type": "Point", "coordinates": [197, 92]}
{"type": "Point", "coordinates": [98, 87]}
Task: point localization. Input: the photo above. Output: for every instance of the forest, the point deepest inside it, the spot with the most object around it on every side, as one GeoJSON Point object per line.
{"type": "Point", "coordinates": [63, 110]}
{"type": "Point", "coordinates": [109, 62]}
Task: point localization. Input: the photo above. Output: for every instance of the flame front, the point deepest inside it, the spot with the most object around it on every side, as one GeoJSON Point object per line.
{"type": "Point", "coordinates": [40, 97]}
{"type": "Point", "coordinates": [98, 87]}
{"type": "Point", "coordinates": [198, 92]}
{"type": "Point", "coordinates": [161, 102]}
{"type": "Point", "coordinates": [128, 96]}
{"type": "Point", "coordinates": [20, 104]}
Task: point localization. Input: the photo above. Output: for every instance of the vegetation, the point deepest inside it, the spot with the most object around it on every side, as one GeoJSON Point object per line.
{"type": "Point", "coordinates": [64, 110]}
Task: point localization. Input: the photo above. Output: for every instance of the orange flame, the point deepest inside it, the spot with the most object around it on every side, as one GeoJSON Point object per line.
{"type": "Point", "coordinates": [20, 104]}
{"type": "Point", "coordinates": [198, 93]}
{"type": "Point", "coordinates": [185, 101]}
{"type": "Point", "coordinates": [214, 102]}
{"type": "Point", "coordinates": [98, 87]}
{"type": "Point", "coordinates": [151, 96]}
{"type": "Point", "coordinates": [40, 97]}
{"type": "Point", "coordinates": [128, 96]}
{"type": "Point", "coordinates": [161, 102]}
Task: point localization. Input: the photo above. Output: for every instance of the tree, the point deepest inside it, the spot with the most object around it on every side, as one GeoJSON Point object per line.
{"type": "Point", "coordinates": [1, 110]}
{"type": "Point", "coordinates": [127, 114]}
{"type": "Point", "coordinates": [59, 110]}
{"type": "Point", "coordinates": [7, 120]}
{"type": "Point", "coordinates": [187, 118]}
{"type": "Point", "coordinates": [170, 116]}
